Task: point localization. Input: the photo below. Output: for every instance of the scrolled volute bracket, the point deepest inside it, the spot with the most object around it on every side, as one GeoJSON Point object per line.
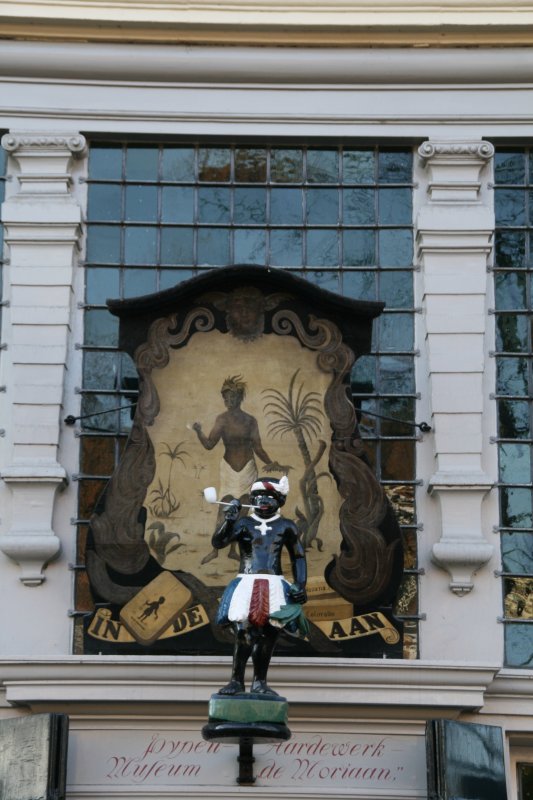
{"type": "Point", "coordinates": [462, 549]}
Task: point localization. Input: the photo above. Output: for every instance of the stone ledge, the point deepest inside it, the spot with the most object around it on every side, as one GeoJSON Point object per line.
{"type": "Point", "coordinates": [91, 681]}
{"type": "Point", "coordinates": [511, 695]}
{"type": "Point", "coordinates": [267, 65]}
{"type": "Point", "coordinates": [438, 21]}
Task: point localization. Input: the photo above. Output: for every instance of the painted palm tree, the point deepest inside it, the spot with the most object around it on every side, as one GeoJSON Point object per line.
{"type": "Point", "coordinates": [164, 501]}
{"type": "Point", "coordinates": [300, 413]}
{"type": "Point", "coordinates": [162, 542]}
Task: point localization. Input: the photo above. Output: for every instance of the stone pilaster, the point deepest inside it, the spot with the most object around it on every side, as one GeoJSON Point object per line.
{"type": "Point", "coordinates": [42, 228]}
{"type": "Point", "coordinates": [454, 237]}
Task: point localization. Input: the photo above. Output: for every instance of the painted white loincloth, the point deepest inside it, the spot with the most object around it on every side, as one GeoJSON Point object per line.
{"type": "Point", "coordinates": [240, 601]}
{"type": "Point", "coordinates": [236, 483]}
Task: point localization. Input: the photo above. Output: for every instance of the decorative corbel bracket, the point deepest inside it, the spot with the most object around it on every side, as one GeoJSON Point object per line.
{"type": "Point", "coordinates": [454, 169]}
{"type": "Point", "coordinates": [31, 541]}
{"type": "Point", "coordinates": [44, 162]}
{"type": "Point", "coordinates": [461, 550]}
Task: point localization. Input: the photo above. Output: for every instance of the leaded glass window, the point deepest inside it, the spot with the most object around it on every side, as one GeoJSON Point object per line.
{"type": "Point", "coordinates": [525, 781]}
{"type": "Point", "coordinates": [337, 215]}
{"type": "Point", "coordinates": [514, 383]}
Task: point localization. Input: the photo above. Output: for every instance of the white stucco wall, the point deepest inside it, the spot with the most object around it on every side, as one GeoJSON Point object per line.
{"type": "Point", "coordinates": [55, 94]}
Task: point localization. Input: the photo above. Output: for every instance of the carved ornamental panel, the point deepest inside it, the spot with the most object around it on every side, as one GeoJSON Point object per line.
{"type": "Point", "coordinates": [280, 351]}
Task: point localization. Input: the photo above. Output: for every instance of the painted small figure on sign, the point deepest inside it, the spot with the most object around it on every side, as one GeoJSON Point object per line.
{"type": "Point", "coordinates": [260, 602]}
{"type": "Point", "coordinates": [152, 608]}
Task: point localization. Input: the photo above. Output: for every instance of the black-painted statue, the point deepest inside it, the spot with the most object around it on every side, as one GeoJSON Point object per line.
{"type": "Point", "coordinates": [260, 602]}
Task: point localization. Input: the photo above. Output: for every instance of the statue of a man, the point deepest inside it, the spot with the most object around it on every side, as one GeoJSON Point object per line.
{"type": "Point", "coordinates": [259, 602]}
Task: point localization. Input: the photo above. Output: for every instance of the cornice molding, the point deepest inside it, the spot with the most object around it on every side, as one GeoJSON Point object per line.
{"type": "Point", "coordinates": [266, 65]}
{"type": "Point", "coordinates": [456, 152]}
{"type": "Point", "coordinates": [81, 682]}
{"type": "Point", "coordinates": [435, 20]}
{"type": "Point", "coordinates": [510, 693]}
{"type": "Point", "coordinates": [454, 169]}
{"type": "Point", "coordinates": [44, 160]}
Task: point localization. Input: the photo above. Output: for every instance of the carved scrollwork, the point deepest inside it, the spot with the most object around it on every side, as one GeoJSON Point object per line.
{"type": "Point", "coordinates": [362, 571]}
{"type": "Point", "coordinates": [117, 532]}
{"type": "Point", "coordinates": [339, 408]}
{"type": "Point", "coordinates": [155, 353]}
{"type": "Point", "coordinates": [76, 143]}
{"type": "Point", "coordinates": [482, 150]}
{"type": "Point", "coordinates": [327, 336]}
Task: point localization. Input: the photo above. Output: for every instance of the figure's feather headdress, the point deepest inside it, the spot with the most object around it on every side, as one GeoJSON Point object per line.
{"type": "Point", "coordinates": [277, 485]}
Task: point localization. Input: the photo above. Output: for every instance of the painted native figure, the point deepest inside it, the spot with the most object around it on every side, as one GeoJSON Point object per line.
{"type": "Point", "coordinates": [239, 433]}
{"type": "Point", "coordinates": [260, 602]}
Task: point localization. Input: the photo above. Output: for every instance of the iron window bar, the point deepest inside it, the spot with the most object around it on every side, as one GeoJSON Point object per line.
{"type": "Point", "coordinates": [521, 397]}
{"type": "Point", "coordinates": [422, 426]}
{"type": "Point", "coordinates": [505, 485]}
{"type": "Point", "coordinates": [71, 419]}
{"type": "Point", "coordinates": [507, 529]}
{"type": "Point", "coordinates": [510, 440]}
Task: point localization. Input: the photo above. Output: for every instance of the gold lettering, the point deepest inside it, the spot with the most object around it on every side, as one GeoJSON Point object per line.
{"type": "Point", "coordinates": [375, 621]}
{"type": "Point", "coordinates": [105, 628]}
{"type": "Point", "coordinates": [357, 628]}
{"type": "Point", "coordinates": [337, 631]}
{"type": "Point", "coordinates": [364, 625]}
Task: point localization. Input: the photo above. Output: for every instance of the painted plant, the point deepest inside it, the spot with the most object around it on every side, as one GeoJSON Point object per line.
{"type": "Point", "coordinates": [300, 414]}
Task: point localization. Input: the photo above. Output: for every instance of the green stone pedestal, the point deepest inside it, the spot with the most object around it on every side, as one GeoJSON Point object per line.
{"type": "Point", "coordinates": [248, 708]}
{"type": "Point", "coordinates": [247, 716]}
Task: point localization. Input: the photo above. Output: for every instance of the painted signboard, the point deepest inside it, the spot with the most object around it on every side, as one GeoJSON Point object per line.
{"type": "Point", "coordinates": [355, 765]}
{"type": "Point", "coordinates": [242, 372]}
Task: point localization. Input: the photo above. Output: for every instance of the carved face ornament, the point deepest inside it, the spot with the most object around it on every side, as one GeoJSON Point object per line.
{"type": "Point", "coordinates": [245, 310]}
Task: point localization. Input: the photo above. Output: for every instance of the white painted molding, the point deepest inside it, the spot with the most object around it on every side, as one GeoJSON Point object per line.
{"type": "Point", "coordinates": [461, 550]}
{"type": "Point", "coordinates": [43, 144]}
{"type": "Point", "coordinates": [31, 541]}
{"type": "Point", "coordinates": [454, 169]}
{"type": "Point", "coordinates": [454, 239]}
{"type": "Point", "coordinates": [42, 228]}
{"type": "Point", "coordinates": [240, 13]}
{"type": "Point", "coordinates": [455, 481]}
{"type": "Point", "coordinates": [43, 160]}
{"type": "Point", "coordinates": [460, 240]}
{"type": "Point", "coordinates": [162, 63]}
{"type": "Point", "coordinates": [79, 683]}
{"type": "Point", "coordinates": [463, 152]}
{"type": "Point", "coordinates": [510, 694]}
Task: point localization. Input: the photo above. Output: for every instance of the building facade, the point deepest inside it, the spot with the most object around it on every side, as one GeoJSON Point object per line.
{"type": "Point", "coordinates": [383, 153]}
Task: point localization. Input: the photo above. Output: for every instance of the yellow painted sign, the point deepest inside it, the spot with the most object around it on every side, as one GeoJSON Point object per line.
{"type": "Point", "coordinates": [155, 607]}
{"type": "Point", "coordinates": [107, 629]}
{"type": "Point", "coordinates": [363, 625]}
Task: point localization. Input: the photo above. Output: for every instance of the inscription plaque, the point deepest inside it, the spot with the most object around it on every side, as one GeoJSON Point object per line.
{"type": "Point", "coordinates": [358, 764]}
